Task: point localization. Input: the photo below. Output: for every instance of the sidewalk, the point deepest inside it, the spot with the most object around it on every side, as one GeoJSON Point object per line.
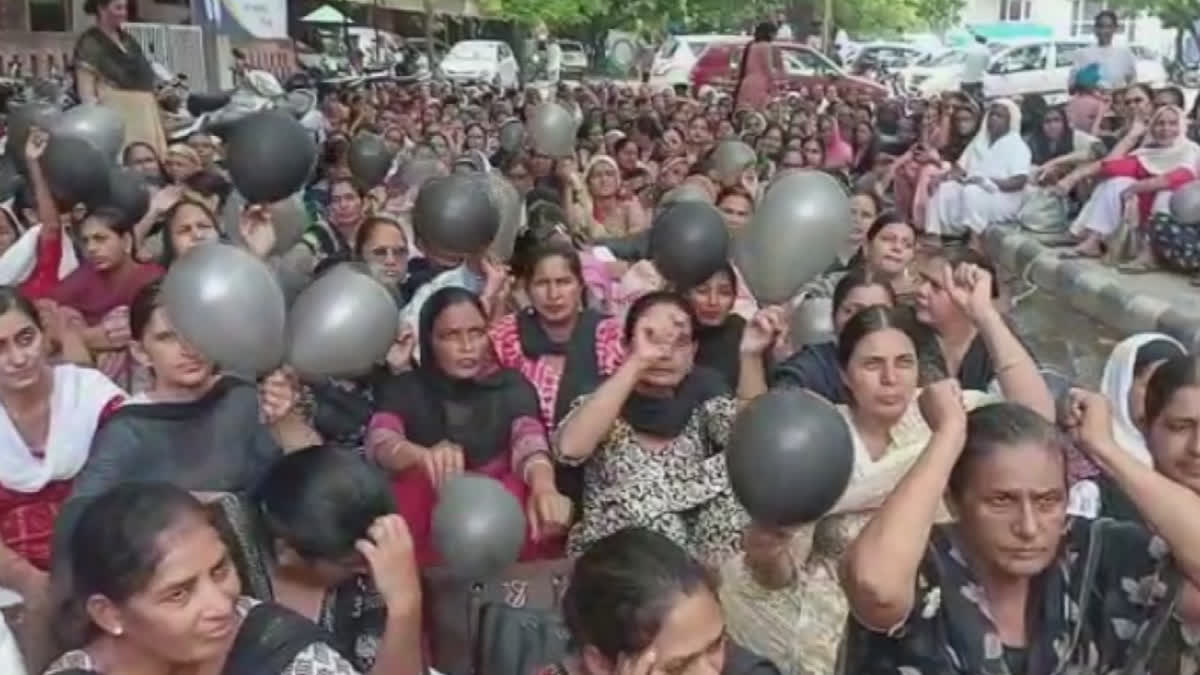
{"type": "Point", "coordinates": [1129, 303]}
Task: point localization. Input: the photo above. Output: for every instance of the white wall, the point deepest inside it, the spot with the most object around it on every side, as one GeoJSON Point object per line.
{"type": "Point", "coordinates": [1057, 14]}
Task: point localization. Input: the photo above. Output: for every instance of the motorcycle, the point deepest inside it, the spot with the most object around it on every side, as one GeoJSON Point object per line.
{"type": "Point", "coordinates": [257, 90]}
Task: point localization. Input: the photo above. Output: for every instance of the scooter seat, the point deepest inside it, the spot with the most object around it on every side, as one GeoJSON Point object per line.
{"type": "Point", "coordinates": [198, 104]}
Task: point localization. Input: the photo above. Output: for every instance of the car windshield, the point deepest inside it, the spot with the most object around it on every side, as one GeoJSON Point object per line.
{"type": "Point", "coordinates": [570, 46]}
{"type": "Point", "coordinates": [473, 51]}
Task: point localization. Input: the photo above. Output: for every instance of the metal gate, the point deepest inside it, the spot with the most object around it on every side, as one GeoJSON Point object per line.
{"type": "Point", "coordinates": [179, 48]}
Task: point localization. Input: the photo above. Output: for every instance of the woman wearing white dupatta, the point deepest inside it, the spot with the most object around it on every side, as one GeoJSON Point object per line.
{"type": "Point", "coordinates": [987, 185]}
{"type": "Point", "coordinates": [48, 415]}
{"type": "Point", "coordinates": [1166, 160]}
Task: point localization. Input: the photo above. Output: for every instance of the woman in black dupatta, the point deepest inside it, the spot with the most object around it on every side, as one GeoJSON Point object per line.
{"type": "Point", "coordinates": [457, 412]}
{"type": "Point", "coordinates": [153, 591]}
{"type": "Point", "coordinates": [110, 68]}
{"type": "Point", "coordinates": [561, 346]}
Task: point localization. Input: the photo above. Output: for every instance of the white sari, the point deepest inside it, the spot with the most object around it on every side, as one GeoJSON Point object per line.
{"type": "Point", "coordinates": [960, 207]}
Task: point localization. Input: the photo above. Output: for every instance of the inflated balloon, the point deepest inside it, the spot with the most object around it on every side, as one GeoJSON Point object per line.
{"type": "Point", "coordinates": [455, 215]}
{"type": "Point", "coordinates": [812, 322]}
{"type": "Point", "coordinates": [688, 243]}
{"type": "Point", "coordinates": [21, 119]}
{"type": "Point", "coordinates": [789, 456]}
{"type": "Point", "coordinates": [685, 192]}
{"type": "Point", "coordinates": [99, 125]}
{"type": "Point", "coordinates": [552, 130]}
{"type": "Point", "coordinates": [478, 527]}
{"type": "Point", "coordinates": [77, 171]}
{"type": "Point", "coordinates": [370, 159]}
{"type": "Point", "coordinates": [228, 305]}
{"type": "Point", "coordinates": [415, 172]}
{"type": "Point", "coordinates": [128, 193]}
{"type": "Point", "coordinates": [512, 135]}
{"type": "Point", "coordinates": [270, 156]}
{"type": "Point", "coordinates": [794, 234]}
{"type": "Point", "coordinates": [511, 207]}
{"type": "Point", "coordinates": [289, 216]}
{"type": "Point", "coordinates": [730, 159]}
{"type": "Point", "coordinates": [1185, 204]}
{"type": "Point", "coordinates": [341, 325]}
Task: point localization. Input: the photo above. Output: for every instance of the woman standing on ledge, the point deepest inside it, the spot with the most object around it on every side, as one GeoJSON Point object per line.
{"type": "Point", "coordinates": [111, 69]}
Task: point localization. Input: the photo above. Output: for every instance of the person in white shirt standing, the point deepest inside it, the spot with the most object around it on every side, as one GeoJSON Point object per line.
{"type": "Point", "coordinates": [783, 30]}
{"type": "Point", "coordinates": [1118, 68]}
{"type": "Point", "coordinates": [974, 66]}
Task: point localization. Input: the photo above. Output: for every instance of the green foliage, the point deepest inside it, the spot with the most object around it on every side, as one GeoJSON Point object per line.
{"type": "Point", "coordinates": [1173, 13]}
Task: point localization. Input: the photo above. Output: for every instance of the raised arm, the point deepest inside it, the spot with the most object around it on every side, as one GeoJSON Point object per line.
{"type": "Point", "coordinates": [970, 287]}
{"type": "Point", "coordinates": [879, 571]}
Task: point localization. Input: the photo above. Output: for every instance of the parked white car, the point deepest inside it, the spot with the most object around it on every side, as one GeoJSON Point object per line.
{"type": "Point", "coordinates": [490, 61]}
{"type": "Point", "coordinates": [574, 59]}
{"type": "Point", "coordinates": [938, 72]}
{"type": "Point", "coordinates": [1044, 67]}
{"type": "Point", "coordinates": [675, 57]}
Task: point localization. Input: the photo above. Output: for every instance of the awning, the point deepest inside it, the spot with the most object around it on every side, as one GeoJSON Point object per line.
{"type": "Point", "coordinates": [326, 14]}
{"type": "Point", "coordinates": [451, 7]}
{"type": "Point", "coordinates": [1000, 31]}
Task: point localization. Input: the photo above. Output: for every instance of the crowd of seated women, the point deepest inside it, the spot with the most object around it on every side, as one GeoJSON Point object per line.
{"type": "Point", "coordinates": [159, 516]}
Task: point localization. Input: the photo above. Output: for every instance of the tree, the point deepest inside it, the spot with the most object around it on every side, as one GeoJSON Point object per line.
{"type": "Point", "coordinates": [940, 15]}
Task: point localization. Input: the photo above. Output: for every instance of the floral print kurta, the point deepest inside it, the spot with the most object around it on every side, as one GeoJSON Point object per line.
{"type": "Point", "coordinates": [1123, 622]}
{"type": "Point", "coordinates": [680, 490]}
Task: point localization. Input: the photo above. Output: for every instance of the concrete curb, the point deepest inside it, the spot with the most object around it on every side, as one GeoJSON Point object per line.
{"type": "Point", "coordinates": [1095, 291]}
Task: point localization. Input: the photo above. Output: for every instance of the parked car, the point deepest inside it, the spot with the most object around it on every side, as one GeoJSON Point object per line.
{"type": "Point", "coordinates": [574, 59]}
{"type": "Point", "coordinates": [1044, 66]}
{"type": "Point", "coordinates": [490, 61]}
{"type": "Point", "coordinates": [798, 65]}
{"type": "Point", "coordinates": [885, 56]}
{"type": "Point", "coordinates": [938, 72]}
{"type": "Point", "coordinates": [674, 59]}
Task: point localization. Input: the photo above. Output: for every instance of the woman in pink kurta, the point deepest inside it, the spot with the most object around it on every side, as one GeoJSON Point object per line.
{"type": "Point", "coordinates": [754, 82]}
{"type": "Point", "coordinates": [564, 349]}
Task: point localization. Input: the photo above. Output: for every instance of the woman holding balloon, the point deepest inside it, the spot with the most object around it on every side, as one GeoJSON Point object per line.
{"type": "Point", "coordinates": [225, 432]}
{"type": "Point", "coordinates": [1015, 585]}
{"type": "Point", "coordinates": [457, 413]}
{"type": "Point", "coordinates": [879, 354]}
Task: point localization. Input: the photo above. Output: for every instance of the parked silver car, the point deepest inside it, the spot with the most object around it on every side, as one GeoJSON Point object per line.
{"type": "Point", "coordinates": [574, 59]}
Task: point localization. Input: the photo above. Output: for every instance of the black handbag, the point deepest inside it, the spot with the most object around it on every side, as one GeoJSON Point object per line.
{"type": "Point", "coordinates": [456, 609]}
{"type": "Point", "coordinates": [519, 641]}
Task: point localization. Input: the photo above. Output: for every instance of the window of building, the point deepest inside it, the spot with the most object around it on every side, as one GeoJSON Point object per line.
{"type": "Point", "coordinates": [1015, 10]}
{"type": "Point", "coordinates": [49, 15]}
{"type": "Point", "coordinates": [1083, 19]}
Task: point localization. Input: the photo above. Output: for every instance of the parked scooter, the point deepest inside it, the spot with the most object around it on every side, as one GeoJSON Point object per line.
{"type": "Point", "coordinates": [258, 90]}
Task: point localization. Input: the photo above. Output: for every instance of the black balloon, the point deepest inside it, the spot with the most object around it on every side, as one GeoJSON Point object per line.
{"type": "Point", "coordinates": [789, 456]}
{"type": "Point", "coordinates": [77, 171]}
{"type": "Point", "coordinates": [270, 156]}
{"type": "Point", "coordinates": [455, 214]}
{"type": "Point", "coordinates": [369, 159]}
{"type": "Point", "coordinates": [688, 242]}
{"type": "Point", "coordinates": [20, 120]}
{"type": "Point", "coordinates": [128, 193]}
